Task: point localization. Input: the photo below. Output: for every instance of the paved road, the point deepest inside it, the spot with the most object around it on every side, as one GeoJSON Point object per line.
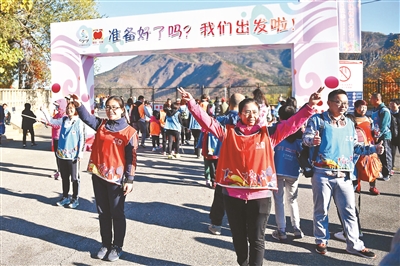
{"type": "Point", "coordinates": [167, 216]}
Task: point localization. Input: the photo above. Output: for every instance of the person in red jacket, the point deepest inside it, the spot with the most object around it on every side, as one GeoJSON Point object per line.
{"type": "Point", "coordinates": [246, 170]}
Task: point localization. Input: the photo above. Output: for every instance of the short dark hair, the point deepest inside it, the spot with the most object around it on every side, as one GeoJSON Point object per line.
{"type": "Point", "coordinates": [396, 101]}
{"type": "Point", "coordinates": [141, 97]}
{"type": "Point", "coordinates": [334, 93]}
{"type": "Point", "coordinates": [286, 111]}
{"type": "Point", "coordinates": [358, 103]}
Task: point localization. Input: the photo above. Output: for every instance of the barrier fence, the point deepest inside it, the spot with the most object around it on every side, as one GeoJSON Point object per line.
{"type": "Point", "coordinates": [389, 90]}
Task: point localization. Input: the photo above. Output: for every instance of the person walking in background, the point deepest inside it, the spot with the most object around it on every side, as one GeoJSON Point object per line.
{"type": "Point", "coordinates": [204, 102]}
{"type": "Point", "coordinates": [195, 128]}
{"type": "Point", "coordinates": [287, 169]}
{"type": "Point", "coordinates": [246, 171]}
{"type": "Point", "coordinates": [394, 106]}
{"type": "Point", "coordinates": [69, 151]}
{"type": "Point", "coordinates": [381, 126]}
{"type": "Point", "coordinates": [210, 147]}
{"type": "Point", "coordinates": [134, 115]}
{"type": "Point", "coordinates": [224, 106]}
{"type": "Point", "coordinates": [59, 112]}
{"type": "Point", "coordinates": [128, 105]}
{"type": "Point", "coordinates": [7, 114]}
{"type": "Point", "coordinates": [173, 127]}
{"type": "Point", "coordinates": [113, 165]}
{"type": "Point", "coordinates": [142, 123]}
{"type": "Point", "coordinates": [28, 119]}
{"type": "Point", "coordinates": [148, 113]}
{"type": "Point", "coordinates": [162, 125]}
{"type": "Point", "coordinates": [185, 132]}
{"type": "Point", "coordinates": [155, 130]}
{"type": "Point", "coordinates": [2, 124]}
{"type": "Point", "coordinates": [333, 171]}
{"type": "Point", "coordinates": [365, 124]}
{"type": "Point", "coordinates": [265, 110]}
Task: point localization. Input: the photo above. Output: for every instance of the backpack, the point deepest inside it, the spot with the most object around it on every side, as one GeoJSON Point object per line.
{"type": "Point", "coordinates": [218, 109]}
{"type": "Point", "coordinates": [303, 157]}
{"type": "Point", "coordinates": [368, 166]}
{"type": "Point", "coordinates": [135, 116]}
{"type": "Point", "coordinates": [184, 115]}
{"type": "Point", "coordinates": [394, 123]}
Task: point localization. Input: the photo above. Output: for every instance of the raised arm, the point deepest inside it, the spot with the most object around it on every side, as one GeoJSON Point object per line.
{"type": "Point", "coordinates": [89, 119]}
{"type": "Point", "coordinates": [201, 116]}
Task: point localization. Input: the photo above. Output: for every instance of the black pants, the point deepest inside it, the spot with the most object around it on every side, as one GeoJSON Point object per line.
{"type": "Point", "coordinates": [185, 134]}
{"type": "Point", "coordinates": [164, 139]}
{"type": "Point", "coordinates": [69, 168]}
{"type": "Point", "coordinates": [196, 135]}
{"type": "Point", "coordinates": [155, 140]}
{"type": "Point", "coordinates": [386, 157]}
{"type": "Point", "coordinates": [25, 132]}
{"type": "Point", "coordinates": [217, 211]}
{"type": "Point", "coordinates": [173, 145]}
{"type": "Point", "coordinates": [247, 220]}
{"type": "Point", "coordinates": [110, 201]}
{"type": "Point", "coordinates": [55, 147]}
{"type": "Point", "coordinates": [394, 148]}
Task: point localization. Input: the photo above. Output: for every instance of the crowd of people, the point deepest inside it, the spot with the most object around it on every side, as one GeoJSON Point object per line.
{"type": "Point", "coordinates": [249, 151]}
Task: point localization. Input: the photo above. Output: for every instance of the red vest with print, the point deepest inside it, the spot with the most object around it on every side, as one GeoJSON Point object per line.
{"type": "Point", "coordinates": [246, 161]}
{"type": "Point", "coordinates": [107, 159]}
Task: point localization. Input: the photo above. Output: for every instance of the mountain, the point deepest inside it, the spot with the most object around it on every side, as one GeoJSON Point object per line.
{"type": "Point", "coordinates": [221, 69]}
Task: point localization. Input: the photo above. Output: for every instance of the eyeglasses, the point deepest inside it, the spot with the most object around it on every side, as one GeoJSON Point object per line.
{"type": "Point", "coordinates": [108, 108]}
{"type": "Point", "coordinates": [250, 112]}
{"type": "Point", "coordinates": [340, 103]}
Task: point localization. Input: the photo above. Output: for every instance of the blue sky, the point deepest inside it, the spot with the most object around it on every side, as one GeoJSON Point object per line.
{"type": "Point", "coordinates": [376, 16]}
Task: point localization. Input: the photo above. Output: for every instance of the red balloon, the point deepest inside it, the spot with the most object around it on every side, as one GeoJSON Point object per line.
{"type": "Point", "coordinates": [331, 82]}
{"type": "Point", "coordinates": [55, 88]}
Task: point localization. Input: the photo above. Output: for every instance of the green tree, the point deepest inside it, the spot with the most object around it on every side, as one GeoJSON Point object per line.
{"type": "Point", "coordinates": [27, 31]}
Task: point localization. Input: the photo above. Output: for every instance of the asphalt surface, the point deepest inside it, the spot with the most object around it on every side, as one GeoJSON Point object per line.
{"type": "Point", "coordinates": [167, 216]}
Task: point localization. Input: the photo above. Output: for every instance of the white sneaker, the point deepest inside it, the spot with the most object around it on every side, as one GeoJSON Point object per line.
{"type": "Point", "coordinates": [177, 156]}
{"type": "Point", "coordinates": [214, 229]}
{"type": "Point", "coordinates": [340, 236]}
{"type": "Point", "coordinates": [154, 149]}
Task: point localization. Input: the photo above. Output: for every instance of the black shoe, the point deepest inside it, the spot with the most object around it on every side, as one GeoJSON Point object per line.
{"type": "Point", "coordinates": [33, 144]}
{"type": "Point", "coordinates": [142, 145]}
{"type": "Point", "coordinates": [321, 249]}
{"type": "Point", "coordinates": [365, 253]}
{"type": "Point", "coordinates": [23, 145]}
{"type": "Point", "coordinates": [115, 253]}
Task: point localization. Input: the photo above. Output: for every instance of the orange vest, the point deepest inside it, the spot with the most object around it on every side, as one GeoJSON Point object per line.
{"type": "Point", "coordinates": [155, 128]}
{"type": "Point", "coordinates": [162, 118]}
{"type": "Point", "coordinates": [246, 161]}
{"type": "Point", "coordinates": [107, 159]}
{"type": "Point", "coordinates": [365, 124]}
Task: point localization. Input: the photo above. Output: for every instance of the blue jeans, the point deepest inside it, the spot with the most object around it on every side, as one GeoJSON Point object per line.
{"type": "Point", "coordinates": [324, 187]}
{"type": "Point", "coordinates": [288, 185]}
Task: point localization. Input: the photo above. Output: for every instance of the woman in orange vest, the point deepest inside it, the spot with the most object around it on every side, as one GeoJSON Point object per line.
{"type": "Point", "coordinates": [112, 164]}
{"type": "Point", "coordinates": [246, 170]}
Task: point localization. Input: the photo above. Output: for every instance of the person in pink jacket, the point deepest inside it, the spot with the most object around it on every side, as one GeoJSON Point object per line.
{"type": "Point", "coordinates": [246, 170]}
